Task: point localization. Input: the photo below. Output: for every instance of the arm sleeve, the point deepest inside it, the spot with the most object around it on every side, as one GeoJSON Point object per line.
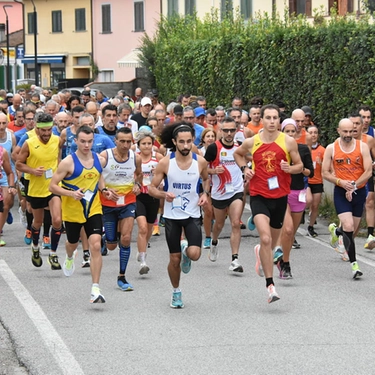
{"type": "Point", "coordinates": [307, 161]}
{"type": "Point", "coordinates": [211, 152]}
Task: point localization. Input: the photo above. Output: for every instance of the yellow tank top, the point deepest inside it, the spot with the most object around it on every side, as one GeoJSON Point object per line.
{"type": "Point", "coordinates": [88, 180]}
{"type": "Point", "coordinates": [45, 155]}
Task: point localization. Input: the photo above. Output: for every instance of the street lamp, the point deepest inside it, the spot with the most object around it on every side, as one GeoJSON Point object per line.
{"type": "Point", "coordinates": [8, 52]}
{"type": "Point", "coordinates": [35, 47]}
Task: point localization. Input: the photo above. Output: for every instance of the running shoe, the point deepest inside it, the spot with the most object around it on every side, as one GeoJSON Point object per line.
{"type": "Point", "coordinates": [143, 269]}
{"type": "Point", "coordinates": [156, 230]}
{"type": "Point", "coordinates": [2, 242]}
{"type": "Point", "coordinates": [23, 219]}
{"type": "Point", "coordinates": [207, 243]}
{"type": "Point", "coordinates": [258, 263]}
{"type": "Point", "coordinates": [213, 254]}
{"type": "Point", "coordinates": [370, 242]}
{"type": "Point", "coordinates": [86, 260]}
{"type": "Point", "coordinates": [46, 242]}
{"type": "Point", "coordinates": [235, 266]}
{"type": "Point", "coordinates": [356, 271]}
{"type": "Point", "coordinates": [334, 240]}
{"type": "Point", "coordinates": [277, 254]}
{"type": "Point", "coordinates": [250, 223]}
{"type": "Point", "coordinates": [272, 294]}
{"type": "Point", "coordinates": [161, 221]}
{"type": "Point", "coordinates": [185, 260]}
{"type": "Point", "coordinates": [96, 295]}
{"type": "Point", "coordinates": [123, 284]}
{"type": "Point", "coordinates": [311, 232]}
{"type": "Point", "coordinates": [243, 226]}
{"type": "Point", "coordinates": [28, 237]}
{"type": "Point", "coordinates": [285, 272]}
{"type": "Point", "coordinates": [9, 218]}
{"type": "Point", "coordinates": [68, 266]}
{"type": "Point", "coordinates": [176, 302]}
{"type": "Point", "coordinates": [53, 261]}
{"type": "Point", "coordinates": [341, 250]}
{"type": "Point", "coordinates": [296, 245]}
{"type": "Point", "coordinates": [35, 258]}
{"type": "Point", "coordinates": [148, 245]}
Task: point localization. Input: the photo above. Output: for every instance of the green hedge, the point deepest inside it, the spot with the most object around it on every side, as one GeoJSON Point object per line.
{"type": "Point", "coordinates": [329, 66]}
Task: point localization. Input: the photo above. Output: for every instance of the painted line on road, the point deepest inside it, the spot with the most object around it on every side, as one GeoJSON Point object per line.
{"type": "Point", "coordinates": [52, 339]}
{"type": "Point", "coordinates": [363, 259]}
{"type": "Point", "coordinates": [303, 232]}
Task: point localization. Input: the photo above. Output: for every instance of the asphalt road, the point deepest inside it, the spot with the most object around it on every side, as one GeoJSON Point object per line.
{"type": "Point", "coordinates": [321, 325]}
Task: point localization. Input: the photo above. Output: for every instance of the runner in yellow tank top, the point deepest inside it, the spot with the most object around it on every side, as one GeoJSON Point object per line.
{"type": "Point", "coordinates": [80, 175]}
{"type": "Point", "coordinates": [39, 158]}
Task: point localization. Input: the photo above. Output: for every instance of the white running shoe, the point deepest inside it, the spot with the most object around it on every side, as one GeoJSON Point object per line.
{"type": "Point", "coordinates": [213, 254]}
{"type": "Point", "coordinates": [143, 269]}
{"type": "Point", "coordinates": [235, 266]}
{"type": "Point", "coordinates": [96, 295]}
{"type": "Point", "coordinates": [68, 266]}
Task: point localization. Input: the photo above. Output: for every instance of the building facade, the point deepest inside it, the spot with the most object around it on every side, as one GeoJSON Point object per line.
{"type": "Point", "coordinates": [249, 8]}
{"type": "Point", "coordinates": [118, 27]}
{"type": "Point", "coordinates": [64, 43]}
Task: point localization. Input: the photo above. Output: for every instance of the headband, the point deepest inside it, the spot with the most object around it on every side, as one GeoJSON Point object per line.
{"type": "Point", "coordinates": [44, 124]}
{"type": "Point", "coordinates": [182, 127]}
{"type": "Point", "coordinates": [288, 121]}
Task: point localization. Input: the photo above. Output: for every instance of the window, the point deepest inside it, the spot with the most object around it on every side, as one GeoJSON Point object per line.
{"type": "Point", "coordinates": [83, 61]}
{"type": "Point", "coordinates": [139, 21]}
{"type": "Point", "coordinates": [106, 76]}
{"type": "Point", "coordinates": [189, 7]}
{"type": "Point", "coordinates": [30, 23]}
{"type": "Point", "coordinates": [56, 21]}
{"type": "Point", "coordinates": [80, 19]}
{"type": "Point", "coordinates": [172, 8]}
{"type": "Point", "coordinates": [106, 18]}
{"type": "Point", "coordinates": [300, 7]}
{"type": "Point", "coordinates": [226, 8]}
{"type": "Point", "coordinates": [247, 8]}
{"type": "Point", "coordinates": [342, 6]}
{"type": "Point", "coordinates": [57, 74]}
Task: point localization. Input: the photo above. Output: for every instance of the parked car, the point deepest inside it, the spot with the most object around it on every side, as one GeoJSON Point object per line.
{"type": "Point", "coordinates": [78, 91]}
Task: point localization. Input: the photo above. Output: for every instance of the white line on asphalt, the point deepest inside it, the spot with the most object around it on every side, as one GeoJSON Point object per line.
{"type": "Point", "coordinates": [52, 339]}
{"type": "Point", "coordinates": [303, 232]}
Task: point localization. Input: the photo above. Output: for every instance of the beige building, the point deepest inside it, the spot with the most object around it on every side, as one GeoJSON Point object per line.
{"type": "Point", "coordinates": [249, 8]}
{"type": "Point", "coordinates": [63, 40]}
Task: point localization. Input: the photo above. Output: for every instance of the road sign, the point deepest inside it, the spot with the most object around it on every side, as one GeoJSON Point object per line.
{"type": "Point", "coordinates": [20, 53]}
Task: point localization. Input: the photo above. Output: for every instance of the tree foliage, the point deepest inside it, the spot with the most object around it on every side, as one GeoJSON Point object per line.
{"type": "Point", "coordinates": [328, 66]}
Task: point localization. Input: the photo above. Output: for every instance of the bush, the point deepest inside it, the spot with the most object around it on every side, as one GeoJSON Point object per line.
{"type": "Point", "coordinates": [328, 66]}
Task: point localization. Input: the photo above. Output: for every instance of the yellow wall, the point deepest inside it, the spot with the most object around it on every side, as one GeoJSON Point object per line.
{"type": "Point", "coordinates": [69, 42]}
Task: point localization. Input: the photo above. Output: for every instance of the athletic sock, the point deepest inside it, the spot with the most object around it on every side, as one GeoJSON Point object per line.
{"type": "Point", "coordinates": [29, 219]}
{"type": "Point", "coordinates": [269, 281]}
{"type": "Point", "coordinates": [47, 222]}
{"type": "Point", "coordinates": [124, 258]}
{"type": "Point", "coordinates": [55, 238]}
{"type": "Point", "coordinates": [234, 256]}
{"type": "Point", "coordinates": [35, 234]}
{"type": "Point", "coordinates": [370, 231]}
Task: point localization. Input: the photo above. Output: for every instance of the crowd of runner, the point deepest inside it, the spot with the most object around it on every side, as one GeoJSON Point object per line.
{"type": "Point", "coordinates": [90, 166]}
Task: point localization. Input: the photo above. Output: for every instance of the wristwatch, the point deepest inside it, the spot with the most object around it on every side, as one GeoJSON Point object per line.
{"type": "Point", "coordinates": [243, 168]}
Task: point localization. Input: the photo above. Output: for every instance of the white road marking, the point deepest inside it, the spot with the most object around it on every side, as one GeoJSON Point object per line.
{"type": "Point", "coordinates": [52, 339]}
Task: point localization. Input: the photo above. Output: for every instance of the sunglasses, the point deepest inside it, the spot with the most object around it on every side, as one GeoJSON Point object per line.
{"type": "Point", "coordinates": [229, 130]}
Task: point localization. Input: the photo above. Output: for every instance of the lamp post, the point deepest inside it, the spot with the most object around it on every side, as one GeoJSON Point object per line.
{"type": "Point", "coordinates": [35, 46]}
{"type": "Point", "coordinates": [8, 52]}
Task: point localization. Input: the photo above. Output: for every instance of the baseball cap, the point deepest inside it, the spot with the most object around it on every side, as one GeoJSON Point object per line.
{"type": "Point", "coordinates": [146, 101]}
{"type": "Point", "coordinates": [307, 110]}
{"type": "Point", "coordinates": [178, 110]}
{"type": "Point", "coordinates": [199, 111]}
{"type": "Point", "coordinates": [9, 95]}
